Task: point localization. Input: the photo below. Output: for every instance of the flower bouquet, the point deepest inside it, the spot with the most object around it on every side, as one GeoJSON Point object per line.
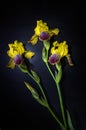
{"type": "Point", "coordinates": [52, 55]}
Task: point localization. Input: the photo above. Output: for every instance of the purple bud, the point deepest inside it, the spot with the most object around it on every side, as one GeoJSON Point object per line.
{"type": "Point", "coordinates": [54, 58]}
{"type": "Point", "coordinates": [18, 59]}
{"type": "Point", "coordinates": [44, 36]}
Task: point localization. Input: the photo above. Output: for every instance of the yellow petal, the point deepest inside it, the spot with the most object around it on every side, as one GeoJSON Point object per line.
{"type": "Point", "coordinates": [54, 31]}
{"type": "Point", "coordinates": [41, 27]}
{"type": "Point", "coordinates": [18, 47]}
{"type": "Point", "coordinates": [33, 39]}
{"type": "Point", "coordinates": [56, 43]}
{"type": "Point", "coordinates": [11, 64]}
{"type": "Point", "coordinates": [10, 53]}
{"type": "Point", "coordinates": [29, 54]}
{"type": "Point", "coordinates": [63, 49]}
{"type": "Point", "coordinates": [60, 48]}
{"type": "Point", "coordinates": [15, 48]}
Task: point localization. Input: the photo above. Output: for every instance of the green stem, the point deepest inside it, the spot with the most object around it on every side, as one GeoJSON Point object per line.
{"type": "Point", "coordinates": [53, 114]}
{"type": "Point", "coordinates": [48, 65]}
{"type": "Point", "coordinates": [59, 68]}
{"type": "Point", "coordinates": [38, 85]}
{"type": "Point", "coordinates": [61, 104]}
{"type": "Point", "coordinates": [50, 71]}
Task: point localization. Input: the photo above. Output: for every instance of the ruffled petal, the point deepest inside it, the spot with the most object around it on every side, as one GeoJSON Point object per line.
{"type": "Point", "coordinates": [41, 27]}
{"type": "Point", "coordinates": [60, 48]}
{"type": "Point", "coordinates": [15, 48]}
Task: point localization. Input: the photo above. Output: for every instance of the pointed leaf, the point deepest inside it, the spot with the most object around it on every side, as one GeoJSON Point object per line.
{"type": "Point", "coordinates": [32, 90]}
{"type": "Point", "coordinates": [28, 86]}
{"type": "Point", "coordinates": [46, 44]}
{"type": "Point", "coordinates": [35, 94]}
{"type": "Point", "coordinates": [58, 75]}
{"type": "Point", "coordinates": [69, 121]}
{"type": "Point", "coordinates": [35, 76]}
{"type": "Point", "coordinates": [44, 55]}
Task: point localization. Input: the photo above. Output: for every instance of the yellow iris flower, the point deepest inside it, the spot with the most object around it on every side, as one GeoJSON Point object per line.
{"type": "Point", "coordinates": [42, 27]}
{"type": "Point", "coordinates": [61, 49]}
{"type": "Point", "coordinates": [17, 48]}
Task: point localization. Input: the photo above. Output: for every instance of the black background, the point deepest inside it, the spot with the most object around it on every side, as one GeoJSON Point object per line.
{"type": "Point", "coordinates": [18, 110]}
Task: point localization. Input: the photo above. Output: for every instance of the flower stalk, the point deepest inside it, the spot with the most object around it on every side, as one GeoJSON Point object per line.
{"type": "Point", "coordinates": [57, 80]}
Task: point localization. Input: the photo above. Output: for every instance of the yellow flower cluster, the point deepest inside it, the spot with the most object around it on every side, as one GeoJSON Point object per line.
{"type": "Point", "coordinates": [51, 54]}
{"type": "Point", "coordinates": [41, 30]}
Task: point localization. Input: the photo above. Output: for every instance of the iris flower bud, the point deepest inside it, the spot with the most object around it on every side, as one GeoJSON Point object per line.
{"type": "Point", "coordinates": [54, 58]}
{"type": "Point", "coordinates": [44, 36]}
{"type": "Point", "coordinates": [18, 59]}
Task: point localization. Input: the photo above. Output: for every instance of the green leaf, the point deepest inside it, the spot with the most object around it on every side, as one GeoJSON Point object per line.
{"type": "Point", "coordinates": [23, 68]}
{"type": "Point", "coordinates": [44, 55]}
{"type": "Point", "coordinates": [28, 86]}
{"type": "Point", "coordinates": [69, 121]}
{"type": "Point", "coordinates": [36, 95]}
{"type": "Point", "coordinates": [46, 44]}
{"type": "Point", "coordinates": [32, 90]}
{"type": "Point", "coordinates": [35, 76]}
{"type": "Point", "coordinates": [58, 75]}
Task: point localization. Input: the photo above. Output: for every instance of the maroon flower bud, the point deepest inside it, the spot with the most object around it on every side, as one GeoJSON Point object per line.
{"type": "Point", "coordinates": [18, 59]}
{"type": "Point", "coordinates": [44, 36]}
{"type": "Point", "coordinates": [53, 59]}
